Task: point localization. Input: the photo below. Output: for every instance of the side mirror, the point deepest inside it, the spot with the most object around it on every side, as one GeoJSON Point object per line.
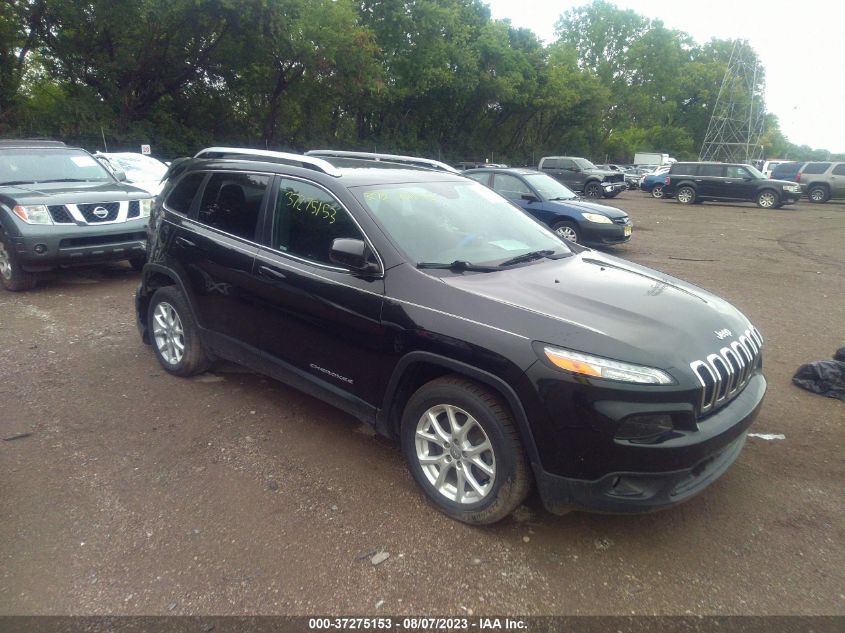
{"type": "Point", "coordinates": [353, 254]}
{"type": "Point", "coordinates": [120, 175]}
{"type": "Point", "coordinates": [530, 197]}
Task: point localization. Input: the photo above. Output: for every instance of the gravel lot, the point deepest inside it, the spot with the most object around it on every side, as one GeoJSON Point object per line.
{"type": "Point", "coordinates": [140, 493]}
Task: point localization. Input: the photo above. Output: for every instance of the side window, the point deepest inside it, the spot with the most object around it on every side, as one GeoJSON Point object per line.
{"type": "Point", "coordinates": [551, 163]}
{"type": "Point", "coordinates": [816, 168]}
{"type": "Point", "coordinates": [307, 220]}
{"type": "Point", "coordinates": [737, 171]}
{"type": "Point", "coordinates": [839, 170]}
{"type": "Point", "coordinates": [231, 203]}
{"type": "Point", "coordinates": [567, 163]}
{"type": "Point", "coordinates": [510, 187]}
{"type": "Point", "coordinates": [482, 178]}
{"type": "Point", "coordinates": [182, 196]}
{"type": "Point", "coordinates": [714, 171]}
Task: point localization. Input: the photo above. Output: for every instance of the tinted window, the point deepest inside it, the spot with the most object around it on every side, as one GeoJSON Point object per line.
{"type": "Point", "coordinates": [785, 170]}
{"type": "Point", "coordinates": [567, 163]}
{"type": "Point", "coordinates": [816, 168]}
{"type": "Point", "coordinates": [511, 187]}
{"type": "Point", "coordinates": [183, 194]}
{"type": "Point", "coordinates": [307, 220]}
{"type": "Point", "coordinates": [687, 169]}
{"type": "Point", "coordinates": [839, 170]}
{"type": "Point", "coordinates": [714, 171]}
{"type": "Point", "coordinates": [551, 163]}
{"type": "Point", "coordinates": [231, 202]}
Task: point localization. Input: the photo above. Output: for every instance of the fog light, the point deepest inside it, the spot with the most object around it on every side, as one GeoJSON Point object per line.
{"type": "Point", "coordinates": [40, 248]}
{"type": "Point", "coordinates": [644, 427]}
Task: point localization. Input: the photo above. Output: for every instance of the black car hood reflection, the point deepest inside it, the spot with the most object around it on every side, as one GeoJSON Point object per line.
{"type": "Point", "coordinates": [585, 206]}
{"type": "Point", "coordinates": [610, 307]}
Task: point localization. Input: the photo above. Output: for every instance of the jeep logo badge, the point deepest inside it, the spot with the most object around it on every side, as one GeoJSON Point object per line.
{"type": "Point", "coordinates": [101, 212]}
{"type": "Point", "coordinates": [722, 334]}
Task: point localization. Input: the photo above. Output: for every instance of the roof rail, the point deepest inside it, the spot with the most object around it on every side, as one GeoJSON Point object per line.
{"type": "Point", "coordinates": [267, 156]}
{"type": "Point", "coordinates": [416, 161]}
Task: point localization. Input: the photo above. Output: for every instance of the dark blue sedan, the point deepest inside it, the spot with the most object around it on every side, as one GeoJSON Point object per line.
{"type": "Point", "coordinates": [557, 206]}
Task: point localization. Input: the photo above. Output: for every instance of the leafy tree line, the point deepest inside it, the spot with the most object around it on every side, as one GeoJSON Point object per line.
{"type": "Point", "coordinates": [434, 77]}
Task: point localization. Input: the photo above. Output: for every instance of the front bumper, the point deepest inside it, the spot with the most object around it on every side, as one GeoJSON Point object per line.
{"type": "Point", "coordinates": [610, 189]}
{"type": "Point", "coordinates": [593, 234]}
{"type": "Point", "coordinates": [41, 247]}
{"type": "Point", "coordinates": [640, 477]}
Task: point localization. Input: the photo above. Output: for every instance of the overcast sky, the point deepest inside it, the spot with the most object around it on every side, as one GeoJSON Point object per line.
{"type": "Point", "coordinates": [800, 43]}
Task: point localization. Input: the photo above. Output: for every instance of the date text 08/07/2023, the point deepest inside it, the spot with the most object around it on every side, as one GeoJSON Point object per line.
{"type": "Point", "coordinates": [417, 624]}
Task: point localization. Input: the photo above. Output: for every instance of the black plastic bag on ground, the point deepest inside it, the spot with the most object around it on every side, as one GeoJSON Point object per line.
{"type": "Point", "coordinates": [824, 377]}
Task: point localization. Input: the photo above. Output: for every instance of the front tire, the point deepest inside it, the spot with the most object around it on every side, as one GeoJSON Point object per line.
{"type": "Point", "coordinates": [174, 334]}
{"type": "Point", "coordinates": [464, 450]}
{"type": "Point", "coordinates": [592, 190]}
{"type": "Point", "coordinates": [818, 194]}
{"type": "Point", "coordinates": [568, 231]}
{"type": "Point", "coordinates": [12, 275]}
{"type": "Point", "coordinates": [768, 199]}
{"type": "Point", "coordinates": [685, 195]}
{"type": "Point", "coordinates": [657, 192]}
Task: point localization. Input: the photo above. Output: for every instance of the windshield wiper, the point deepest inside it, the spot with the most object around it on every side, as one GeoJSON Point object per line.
{"type": "Point", "coordinates": [459, 265]}
{"type": "Point", "coordinates": [527, 257]}
{"type": "Point", "coordinates": [64, 180]}
{"type": "Point", "coordinates": [16, 182]}
{"type": "Point", "coordinates": [563, 198]}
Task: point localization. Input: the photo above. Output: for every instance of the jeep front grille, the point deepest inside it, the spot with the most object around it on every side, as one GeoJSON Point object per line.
{"type": "Point", "coordinates": [725, 373]}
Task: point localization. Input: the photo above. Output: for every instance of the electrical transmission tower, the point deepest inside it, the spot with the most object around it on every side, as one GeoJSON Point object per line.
{"type": "Point", "coordinates": [733, 135]}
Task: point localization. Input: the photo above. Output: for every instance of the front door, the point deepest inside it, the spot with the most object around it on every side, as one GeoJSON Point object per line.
{"type": "Point", "coordinates": [319, 318]}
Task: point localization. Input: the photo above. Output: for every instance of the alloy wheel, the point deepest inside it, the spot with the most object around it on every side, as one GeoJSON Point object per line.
{"type": "Point", "coordinates": [5, 262]}
{"type": "Point", "coordinates": [455, 454]}
{"type": "Point", "coordinates": [767, 200]}
{"type": "Point", "coordinates": [168, 333]}
{"type": "Point", "coordinates": [567, 233]}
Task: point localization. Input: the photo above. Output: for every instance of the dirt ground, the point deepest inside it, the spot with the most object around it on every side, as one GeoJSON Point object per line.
{"type": "Point", "coordinates": [139, 493]}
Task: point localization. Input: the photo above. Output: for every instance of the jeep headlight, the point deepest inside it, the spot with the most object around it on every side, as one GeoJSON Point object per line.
{"type": "Point", "coordinates": [146, 207]}
{"type": "Point", "coordinates": [588, 365]}
{"type": "Point", "coordinates": [34, 214]}
{"type": "Point", "coordinates": [598, 218]}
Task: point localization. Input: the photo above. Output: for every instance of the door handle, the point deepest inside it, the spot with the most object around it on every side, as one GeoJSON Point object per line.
{"type": "Point", "coordinates": [271, 272]}
{"type": "Point", "coordinates": [184, 241]}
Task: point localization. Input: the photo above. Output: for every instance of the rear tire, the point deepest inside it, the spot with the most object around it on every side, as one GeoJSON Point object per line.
{"type": "Point", "coordinates": [685, 195]}
{"type": "Point", "coordinates": [464, 450]}
{"type": "Point", "coordinates": [657, 192]}
{"type": "Point", "coordinates": [174, 334]}
{"type": "Point", "coordinates": [818, 194]}
{"type": "Point", "coordinates": [12, 275]}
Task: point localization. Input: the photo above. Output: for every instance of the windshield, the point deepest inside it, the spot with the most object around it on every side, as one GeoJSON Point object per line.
{"type": "Point", "coordinates": [34, 165]}
{"type": "Point", "coordinates": [444, 222]}
{"type": "Point", "coordinates": [138, 166]}
{"type": "Point", "coordinates": [550, 188]}
{"type": "Point", "coordinates": [583, 163]}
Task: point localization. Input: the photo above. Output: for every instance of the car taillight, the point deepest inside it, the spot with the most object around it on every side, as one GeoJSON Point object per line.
{"type": "Point", "coordinates": [666, 180]}
{"type": "Point", "coordinates": [798, 177]}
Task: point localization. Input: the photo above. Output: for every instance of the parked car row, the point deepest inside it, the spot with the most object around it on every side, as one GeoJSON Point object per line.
{"type": "Point", "coordinates": [820, 180]}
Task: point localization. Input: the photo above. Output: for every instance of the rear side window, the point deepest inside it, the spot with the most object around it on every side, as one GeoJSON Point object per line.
{"type": "Point", "coordinates": [182, 196]}
{"type": "Point", "coordinates": [483, 178]}
{"type": "Point", "coordinates": [715, 171]}
{"type": "Point", "coordinates": [785, 169]}
{"type": "Point", "coordinates": [551, 163]}
{"type": "Point", "coordinates": [231, 203]}
{"type": "Point", "coordinates": [816, 168]}
{"type": "Point", "coordinates": [307, 220]}
{"type": "Point", "coordinates": [839, 170]}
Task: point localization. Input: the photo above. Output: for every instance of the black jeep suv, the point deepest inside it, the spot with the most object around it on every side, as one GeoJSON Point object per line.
{"type": "Point", "coordinates": [500, 355]}
{"type": "Point", "coordinates": [696, 182]}
{"type": "Point", "coordinates": [59, 205]}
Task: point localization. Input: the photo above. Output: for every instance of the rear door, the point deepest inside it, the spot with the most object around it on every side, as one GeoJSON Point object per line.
{"type": "Point", "coordinates": [837, 181]}
{"type": "Point", "coordinates": [710, 181]}
{"type": "Point", "coordinates": [218, 248]}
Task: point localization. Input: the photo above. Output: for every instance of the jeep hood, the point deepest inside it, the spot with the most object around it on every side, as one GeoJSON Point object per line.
{"type": "Point", "coordinates": [603, 305]}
